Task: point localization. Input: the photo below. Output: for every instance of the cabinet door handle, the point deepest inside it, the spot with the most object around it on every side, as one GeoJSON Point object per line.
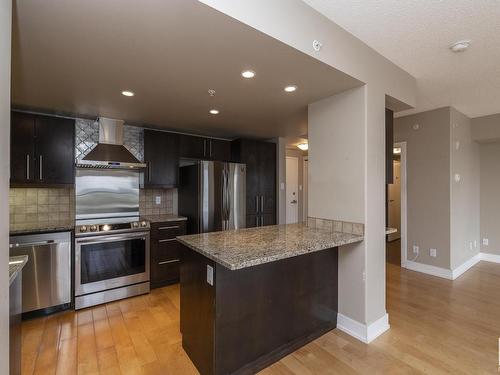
{"type": "Point", "coordinates": [210, 148]}
{"type": "Point", "coordinates": [149, 171]}
{"type": "Point", "coordinates": [257, 220]}
{"type": "Point", "coordinates": [41, 167]}
{"type": "Point", "coordinates": [27, 166]}
{"type": "Point", "coordinates": [261, 203]}
{"type": "Point", "coordinates": [171, 227]}
{"type": "Point", "coordinates": [167, 240]}
{"type": "Point", "coordinates": [204, 147]}
{"type": "Point", "coordinates": [257, 204]}
{"type": "Point", "coordinates": [169, 261]}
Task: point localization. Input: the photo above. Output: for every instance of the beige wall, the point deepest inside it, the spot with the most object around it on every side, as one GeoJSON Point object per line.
{"type": "Point", "coordinates": [428, 183]}
{"type": "Point", "coordinates": [465, 193]}
{"type": "Point", "coordinates": [336, 184]}
{"type": "Point", "coordinates": [490, 202]}
{"type": "Point", "coordinates": [300, 155]}
{"type": "Point", "coordinates": [5, 42]}
{"type": "Point", "coordinates": [486, 128]}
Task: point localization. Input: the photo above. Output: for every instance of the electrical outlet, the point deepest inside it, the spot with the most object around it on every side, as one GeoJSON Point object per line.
{"type": "Point", "coordinates": [433, 253]}
{"type": "Point", "coordinates": [486, 242]}
{"type": "Point", "coordinates": [416, 249]}
{"type": "Point", "coordinates": [475, 244]}
{"type": "Point", "coordinates": [158, 199]}
{"type": "Point", "coordinates": [470, 245]}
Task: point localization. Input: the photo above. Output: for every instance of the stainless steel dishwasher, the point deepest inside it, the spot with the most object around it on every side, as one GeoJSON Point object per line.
{"type": "Point", "coordinates": [47, 275]}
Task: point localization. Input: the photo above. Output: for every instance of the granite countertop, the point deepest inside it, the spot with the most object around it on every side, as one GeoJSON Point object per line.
{"type": "Point", "coordinates": [16, 229]}
{"type": "Point", "coordinates": [242, 248]}
{"type": "Point", "coordinates": [162, 218]}
{"type": "Point", "coordinates": [16, 264]}
{"type": "Point", "coordinates": [390, 231]}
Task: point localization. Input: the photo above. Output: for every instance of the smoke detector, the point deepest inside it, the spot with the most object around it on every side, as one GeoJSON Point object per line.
{"type": "Point", "coordinates": [317, 45]}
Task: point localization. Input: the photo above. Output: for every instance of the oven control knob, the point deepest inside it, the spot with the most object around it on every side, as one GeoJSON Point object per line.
{"type": "Point", "coordinates": [144, 224]}
{"type": "Point", "coordinates": [83, 228]}
{"type": "Point", "coordinates": [93, 228]}
{"type": "Point", "coordinates": [135, 224]}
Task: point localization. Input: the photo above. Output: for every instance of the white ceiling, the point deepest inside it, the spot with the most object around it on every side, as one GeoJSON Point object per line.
{"type": "Point", "coordinates": [416, 35]}
{"type": "Point", "coordinates": [77, 56]}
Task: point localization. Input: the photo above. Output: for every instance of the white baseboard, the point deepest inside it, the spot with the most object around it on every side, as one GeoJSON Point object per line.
{"type": "Point", "coordinates": [494, 258]}
{"type": "Point", "coordinates": [466, 266]}
{"type": "Point", "coordinates": [452, 274]}
{"type": "Point", "coordinates": [428, 269]}
{"type": "Point", "coordinates": [360, 331]}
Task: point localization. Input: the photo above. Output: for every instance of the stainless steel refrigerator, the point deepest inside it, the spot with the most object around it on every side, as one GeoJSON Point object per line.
{"type": "Point", "coordinates": [212, 196]}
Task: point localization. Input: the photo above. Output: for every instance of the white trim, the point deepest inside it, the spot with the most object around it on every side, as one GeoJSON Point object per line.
{"type": "Point", "coordinates": [361, 331]}
{"type": "Point", "coordinates": [466, 266]}
{"type": "Point", "coordinates": [428, 269]}
{"type": "Point", "coordinates": [494, 258]}
{"type": "Point", "coordinates": [404, 203]}
{"type": "Point", "coordinates": [452, 274]}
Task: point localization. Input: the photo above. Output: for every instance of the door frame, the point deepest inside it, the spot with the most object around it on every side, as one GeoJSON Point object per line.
{"type": "Point", "coordinates": [404, 209]}
{"type": "Point", "coordinates": [299, 201]}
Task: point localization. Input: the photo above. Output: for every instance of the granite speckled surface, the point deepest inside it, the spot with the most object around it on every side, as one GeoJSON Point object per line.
{"type": "Point", "coordinates": [162, 218]}
{"type": "Point", "coordinates": [16, 229]}
{"type": "Point", "coordinates": [237, 249]}
{"type": "Point", "coordinates": [16, 264]}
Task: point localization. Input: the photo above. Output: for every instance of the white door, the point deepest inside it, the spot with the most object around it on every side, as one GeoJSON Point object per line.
{"type": "Point", "coordinates": [292, 190]}
{"type": "Point", "coordinates": [395, 202]}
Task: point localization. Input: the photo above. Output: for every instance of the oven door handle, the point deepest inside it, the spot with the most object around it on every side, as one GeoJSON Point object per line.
{"type": "Point", "coordinates": [110, 239]}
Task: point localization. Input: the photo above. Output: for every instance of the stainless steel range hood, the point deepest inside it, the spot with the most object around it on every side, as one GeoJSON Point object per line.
{"type": "Point", "coordinates": [110, 152]}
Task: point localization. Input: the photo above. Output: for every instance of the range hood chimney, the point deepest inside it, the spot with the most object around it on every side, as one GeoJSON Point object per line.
{"type": "Point", "coordinates": [110, 152]}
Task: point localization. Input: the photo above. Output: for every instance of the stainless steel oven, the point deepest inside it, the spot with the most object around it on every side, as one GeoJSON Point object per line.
{"type": "Point", "coordinates": [111, 266]}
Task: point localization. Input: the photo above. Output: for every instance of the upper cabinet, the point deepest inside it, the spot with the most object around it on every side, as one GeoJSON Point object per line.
{"type": "Point", "coordinates": [161, 154]}
{"type": "Point", "coordinates": [260, 158]}
{"type": "Point", "coordinates": [42, 150]}
{"type": "Point", "coordinates": [204, 148]}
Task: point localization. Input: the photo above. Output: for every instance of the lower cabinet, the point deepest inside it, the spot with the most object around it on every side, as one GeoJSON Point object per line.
{"type": "Point", "coordinates": [165, 252]}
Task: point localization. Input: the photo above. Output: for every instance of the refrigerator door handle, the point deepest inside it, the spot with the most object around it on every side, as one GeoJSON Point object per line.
{"type": "Point", "coordinates": [262, 204]}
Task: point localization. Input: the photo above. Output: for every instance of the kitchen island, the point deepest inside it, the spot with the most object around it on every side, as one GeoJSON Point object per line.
{"type": "Point", "coordinates": [251, 296]}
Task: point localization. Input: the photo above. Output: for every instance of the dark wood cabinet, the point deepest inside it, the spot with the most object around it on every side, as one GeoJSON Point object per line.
{"type": "Point", "coordinates": [260, 158]}
{"type": "Point", "coordinates": [165, 252]}
{"type": "Point", "coordinates": [204, 148]}
{"type": "Point", "coordinates": [42, 150]}
{"type": "Point", "coordinates": [161, 154]}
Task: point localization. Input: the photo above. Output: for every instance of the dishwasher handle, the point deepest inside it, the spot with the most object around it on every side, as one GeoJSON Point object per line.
{"type": "Point", "coordinates": [30, 244]}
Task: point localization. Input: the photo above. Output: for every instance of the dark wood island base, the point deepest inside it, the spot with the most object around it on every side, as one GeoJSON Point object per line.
{"type": "Point", "coordinates": [252, 317]}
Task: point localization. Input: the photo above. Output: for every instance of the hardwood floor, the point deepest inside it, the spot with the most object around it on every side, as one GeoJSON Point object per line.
{"type": "Point", "coordinates": [437, 326]}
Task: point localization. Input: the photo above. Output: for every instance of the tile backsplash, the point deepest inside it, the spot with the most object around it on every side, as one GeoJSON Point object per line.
{"type": "Point", "coordinates": [336, 225]}
{"type": "Point", "coordinates": [39, 207]}
{"type": "Point", "coordinates": [54, 207]}
{"type": "Point", "coordinates": [148, 205]}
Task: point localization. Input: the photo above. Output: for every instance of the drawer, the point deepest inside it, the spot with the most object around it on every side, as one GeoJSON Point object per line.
{"type": "Point", "coordinates": [169, 229]}
{"type": "Point", "coordinates": [164, 273]}
{"type": "Point", "coordinates": [164, 249]}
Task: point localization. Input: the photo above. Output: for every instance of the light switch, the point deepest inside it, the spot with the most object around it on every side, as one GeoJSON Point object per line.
{"type": "Point", "coordinates": [158, 199]}
{"type": "Point", "coordinates": [282, 186]}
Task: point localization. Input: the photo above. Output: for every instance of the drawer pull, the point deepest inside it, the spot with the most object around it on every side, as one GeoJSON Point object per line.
{"type": "Point", "coordinates": [167, 240]}
{"type": "Point", "coordinates": [169, 261]}
{"type": "Point", "coordinates": [171, 227]}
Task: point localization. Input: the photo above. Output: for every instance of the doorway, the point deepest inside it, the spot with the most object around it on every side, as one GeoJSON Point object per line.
{"type": "Point", "coordinates": [292, 188]}
{"type": "Point", "coordinates": [396, 246]}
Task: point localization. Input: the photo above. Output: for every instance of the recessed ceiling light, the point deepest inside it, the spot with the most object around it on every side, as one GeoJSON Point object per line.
{"type": "Point", "coordinates": [303, 146]}
{"type": "Point", "coordinates": [290, 88]}
{"type": "Point", "coordinates": [127, 93]}
{"type": "Point", "coordinates": [214, 111]}
{"type": "Point", "coordinates": [460, 46]}
{"type": "Point", "coordinates": [248, 74]}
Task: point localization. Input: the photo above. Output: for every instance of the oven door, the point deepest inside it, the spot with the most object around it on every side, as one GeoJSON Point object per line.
{"type": "Point", "coordinates": [111, 261]}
